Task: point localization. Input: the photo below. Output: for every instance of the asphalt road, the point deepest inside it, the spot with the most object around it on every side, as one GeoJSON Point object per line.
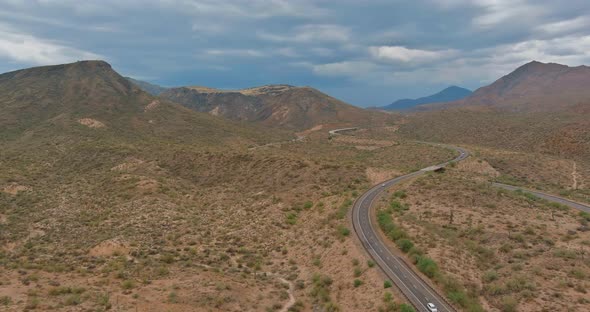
{"type": "Point", "coordinates": [417, 291]}
{"type": "Point", "coordinates": [553, 198]}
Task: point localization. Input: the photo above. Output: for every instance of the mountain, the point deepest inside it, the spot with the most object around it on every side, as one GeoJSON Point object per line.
{"type": "Point", "coordinates": [63, 99]}
{"type": "Point", "coordinates": [536, 108]}
{"type": "Point", "coordinates": [451, 93]}
{"type": "Point", "coordinates": [285, 106]}
{"type": "Point", "coordinates": [150, 88]}
{"type": "Point", "coordinates": [533, 87]}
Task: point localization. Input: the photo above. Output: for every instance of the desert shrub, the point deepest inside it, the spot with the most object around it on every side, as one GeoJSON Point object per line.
{"type": "Point", "coordinates": [343, 231]}
{"type": "Point", "coordinates": [370, 263]}
{"type": "Point", "coordinates": [343, 209]}
{"type": "Point", "coordinates": [387, 284]}
{"type": "Point", "coordinates": [509, 304]}
{"type": "Point", "coordinates": [406, 308]}
{"type": "Point", "coordinates": [490, 276]}
{"type": "Point", "coordinates": [72, 300]}
{"type": "Point", "coordinates": [173, 297]}
{"type": "Point", "coordinates": [128, 284]}
{"type": "Point", "coordinates": [104, 301]}
{"type": "Point", "coordinates": [400, 194]}
{"type": "Point", "coordinates": [5, 300]}
{"type": "Point", "coordinates": [320, 292]}
{"type": "Point", "coordinates": [291, 218]}
{"type": "Point", "coordinates": [357, 282]}
{"type": "Point", "coordinates": [297, 306]}
{"type": "Point", "coordinates": [398, 207]}
{"type": "Point", "coordinates": [405, 244]}
{"type": "Point", "coordinates": [427, 266]}
{"type": "Point", "coordinates": [64, 290]}
{"type": "Point", "coordinates": [357, 272]}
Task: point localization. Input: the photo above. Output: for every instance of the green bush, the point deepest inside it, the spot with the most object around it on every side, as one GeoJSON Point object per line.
{"type": "Point", "coordinates": [343, 231]}
{"type": "Point", "coordinates": [427, 266]}
{"type": "Point", "coordinates": [128, 284]}
{"type": "Point", "coordinates": [357, 272]}
{"type": "Point", "coordinates": [405, 244]}
{"type": "Point", "coordinates": [406, 308]}
{"type": "Point", "coordinates": [399, 207]}
{"type": "Point", "coordinates": [5, 300]}
{"type": "Point", "coordinates": [291, 218]}
{"type": "Point", "coordinates": [343, 209]}
{"type": "Point", "coordinates": [509, 304]}
{"type": "Point", "coordinates": [73, 300]}
{"type": "Point", "coordinates": [400, 194]}
{"type": "Point", "coordinates": [490, 276]}
{"type": "Point", "coordinates": [387, 284]}
{"type": "Point", "coordinates": [357, 283]}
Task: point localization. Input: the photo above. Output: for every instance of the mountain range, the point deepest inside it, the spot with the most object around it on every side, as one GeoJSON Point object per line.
{"type": "Point", "coordinates": [449, 94]}
{"type": "Point", "coordinates": [110, 194]}
{"type": "Point", "coordinates": [284, 106]}
{"type": "Point", "coordinates": [64, 99]}
{"type": "Point", "coordinates": [532, 87]}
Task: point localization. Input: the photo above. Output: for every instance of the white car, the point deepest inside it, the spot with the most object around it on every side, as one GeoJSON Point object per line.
{"type": "Point", "coordinates": [383, 185]}
{"type": "Point", "coordinates": [431, 307]}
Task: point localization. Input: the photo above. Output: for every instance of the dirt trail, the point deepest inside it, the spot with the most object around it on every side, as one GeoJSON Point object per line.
{"type": "Point", "coordinates": [291, 301]}
{"type": "Point", "coordinates": [291, 291]}
{"type": "Point", "coordinates": [575, 177]}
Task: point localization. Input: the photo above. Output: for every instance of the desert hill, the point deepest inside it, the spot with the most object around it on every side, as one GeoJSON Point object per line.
{"type": "Point", "coordinates": [533, 87]}
{"type": "Point", "coordinates": [537, 107]}
{"type": "Point", "coordinates": [295, 108]}
{"type": "Point", "coordinates": [68, 98]}
{"type": "Point", "coordinates": [111, 198]}
{"type": "Point", "coordinates": [150, 88]}
{"type": "Point", "coordinates": [449, 94]}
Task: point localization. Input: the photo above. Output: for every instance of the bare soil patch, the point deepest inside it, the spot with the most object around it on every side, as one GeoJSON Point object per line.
{"type": "Point", "coordinates": [91, 123]}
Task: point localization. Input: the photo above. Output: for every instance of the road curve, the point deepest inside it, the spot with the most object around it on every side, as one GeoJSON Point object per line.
{"type": "Point", "coordinates": [553, 198]}
{"type": "Point", "coordinates": [416, 290]}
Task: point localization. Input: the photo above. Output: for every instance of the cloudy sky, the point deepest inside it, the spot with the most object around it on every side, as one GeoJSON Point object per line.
{"type": "Point", "coordinates": [367, 52]}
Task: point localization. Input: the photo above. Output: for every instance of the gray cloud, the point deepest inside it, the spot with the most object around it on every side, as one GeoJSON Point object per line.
{"type": "Point", "coordinates": [370, 53]}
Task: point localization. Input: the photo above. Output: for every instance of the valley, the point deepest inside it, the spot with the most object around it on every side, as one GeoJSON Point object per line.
{"type": "Point", "coordinates": [114, 197]}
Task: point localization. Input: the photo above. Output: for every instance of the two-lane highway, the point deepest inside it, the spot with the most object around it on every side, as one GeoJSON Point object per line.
{"type": "Point", "coordinates": [549, 197]}
{"type": "Point", "coordinates": [416, 290]}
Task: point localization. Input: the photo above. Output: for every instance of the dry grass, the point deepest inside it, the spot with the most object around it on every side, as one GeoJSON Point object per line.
{"type": "Point", "coordinates": [515, 251]}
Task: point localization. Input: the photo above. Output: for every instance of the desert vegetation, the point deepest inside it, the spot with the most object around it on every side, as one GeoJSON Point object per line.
{"type": "Point", "coordinates": [511, 251]}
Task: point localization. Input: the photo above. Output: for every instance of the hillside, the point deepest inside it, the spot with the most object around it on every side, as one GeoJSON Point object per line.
{"type": "Point", "coordinates": [449, 94]}
{"type": "Point", "coordinates": [561, 134]}
{"type": "Point", "coordinates": [533, 87]}
{"type": "Point", "coordinates": [112, 199]}
{"type": "Point", "coordinates": [150, 88]}
{"type": "Point", "coordinates": [69, 99]}
{"type": "Point", "coordinates": [295, 108]}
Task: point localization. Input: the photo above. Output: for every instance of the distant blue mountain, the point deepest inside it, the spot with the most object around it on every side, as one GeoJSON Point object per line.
{"type": "Point", "coordinates": [449, 94]}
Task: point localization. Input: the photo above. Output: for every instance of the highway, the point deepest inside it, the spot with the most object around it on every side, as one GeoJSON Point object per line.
{"type": "Point", "coordinates": [417, 291]}
{"type": "Point", "coordinates": [553, 198]}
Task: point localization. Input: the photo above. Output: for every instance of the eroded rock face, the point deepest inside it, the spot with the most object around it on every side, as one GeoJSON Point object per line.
{"type": "Point", "coordinates": [290, 107]}
{"type": "Point", "coordinates": [14, 189]}
{"type": "Point", "coordinates": [91, 123]}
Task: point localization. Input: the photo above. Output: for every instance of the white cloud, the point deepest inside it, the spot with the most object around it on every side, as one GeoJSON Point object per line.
{"type": "Point", "coordinates": [566, 26]}
{"type": "Point", "coordinates": [235, 52]}
{"type": "Point", "coordinates": [311, 33]}
{"type": "Point", "coordinates": [28, 49]}
{"type": "Point", "coordinates": [401, 54]}
{"type": "Point", "coordinates": [491, 13]}
{"type": "Point", "coordinates": [345, 68]}
{"type": "Point", "coordinates": [245, 9]}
